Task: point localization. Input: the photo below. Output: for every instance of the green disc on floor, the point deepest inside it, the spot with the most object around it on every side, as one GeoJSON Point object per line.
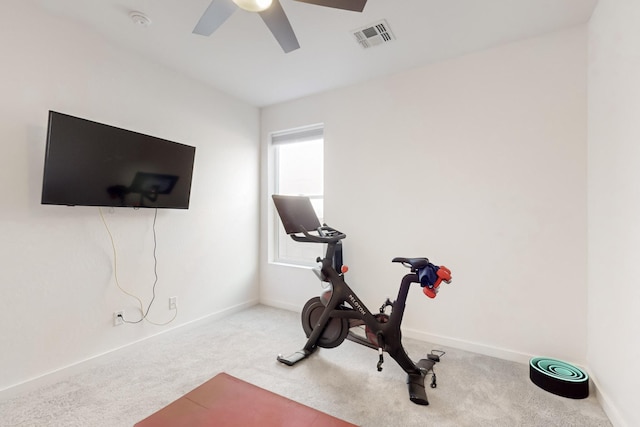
{"type": "Point", "coordinates": [558, 377]}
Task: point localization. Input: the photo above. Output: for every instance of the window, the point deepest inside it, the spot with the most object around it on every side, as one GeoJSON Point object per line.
{"type": "Point", "coordinates": [298, 171]}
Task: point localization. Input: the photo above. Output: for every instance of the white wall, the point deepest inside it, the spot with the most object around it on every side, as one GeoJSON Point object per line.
{"type": "Point", "coordinates": [478, 163]}
{"type": "Point", "coordinates": [56, 276]}
{"type": "Point", "coordinates": [614, 207]}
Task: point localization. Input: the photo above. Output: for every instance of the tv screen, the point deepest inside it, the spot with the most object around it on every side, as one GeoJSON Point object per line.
{"type": "Point", "coordinates": [94, 164]}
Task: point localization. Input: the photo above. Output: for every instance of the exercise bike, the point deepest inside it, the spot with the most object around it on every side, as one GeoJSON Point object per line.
{"type": "Point", "coordinates": [337, 314]}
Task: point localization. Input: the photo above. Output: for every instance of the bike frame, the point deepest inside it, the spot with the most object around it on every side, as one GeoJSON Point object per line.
{"type": "Point", "coordinates": [333, 319]}
{"type": "Point", "coordinates": [388, 333]}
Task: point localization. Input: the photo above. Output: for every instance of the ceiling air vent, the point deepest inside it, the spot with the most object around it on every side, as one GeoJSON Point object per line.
{"type": "Point", "coordinates": [374, 35]}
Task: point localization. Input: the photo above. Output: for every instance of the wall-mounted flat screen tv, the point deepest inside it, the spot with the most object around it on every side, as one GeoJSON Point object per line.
{"type": "Point", "coordinates": [94, 164]}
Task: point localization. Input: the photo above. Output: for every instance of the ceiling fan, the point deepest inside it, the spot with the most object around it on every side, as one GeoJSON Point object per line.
{"type": "Point", "coordinates": [272, 14]}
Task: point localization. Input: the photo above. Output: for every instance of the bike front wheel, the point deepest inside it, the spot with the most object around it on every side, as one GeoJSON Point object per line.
{"type": "Point", "coordinates": [334, 333]}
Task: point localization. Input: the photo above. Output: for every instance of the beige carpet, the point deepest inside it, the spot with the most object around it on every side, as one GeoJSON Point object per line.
{"type": "Point", "coordinates": [129, 385]}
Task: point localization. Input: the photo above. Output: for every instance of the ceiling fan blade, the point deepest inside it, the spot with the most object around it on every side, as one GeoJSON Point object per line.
{"type": "Point", "coordinates": [354, 5]}
{"type": "Point", "coordinates": [280, 27]}
{"type": "Point", "coordinates": [215, 15]}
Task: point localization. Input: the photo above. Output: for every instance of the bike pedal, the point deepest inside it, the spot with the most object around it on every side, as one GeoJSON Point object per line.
{"type": "Point", "coordinates": [433, 357]}
{"type": "Point", "coordinates": [380, 360]}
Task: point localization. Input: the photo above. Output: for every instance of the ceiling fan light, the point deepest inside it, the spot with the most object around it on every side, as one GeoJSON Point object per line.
{"type": "Point", "coordinates": [253, 5]}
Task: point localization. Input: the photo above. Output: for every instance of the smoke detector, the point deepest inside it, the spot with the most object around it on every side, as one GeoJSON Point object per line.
{"type": "Point", "coordinates": [374, 35]}
{"type": "Point", "coordinates": [140, 19]}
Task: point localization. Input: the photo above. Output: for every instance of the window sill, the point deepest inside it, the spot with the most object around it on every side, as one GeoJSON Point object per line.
{"type": "Point", "coordinates": [294, 264]}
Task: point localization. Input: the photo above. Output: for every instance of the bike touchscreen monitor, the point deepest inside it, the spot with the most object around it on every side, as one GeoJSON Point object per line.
{"type": "Point", "coordinates": [296, 213]}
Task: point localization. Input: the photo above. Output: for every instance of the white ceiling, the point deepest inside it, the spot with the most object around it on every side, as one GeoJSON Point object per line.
{"type": "Point", "coordinates": [243, 59]}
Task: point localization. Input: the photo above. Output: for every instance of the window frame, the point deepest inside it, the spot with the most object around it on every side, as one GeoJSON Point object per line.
{"type": "Point", "coordinates": [276, 231]}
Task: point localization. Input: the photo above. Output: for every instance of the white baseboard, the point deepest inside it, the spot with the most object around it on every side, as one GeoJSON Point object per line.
{"type": "Point", "coordinates": [475, 347]}
{"type": "Point", "coordinates": [61, 373]}
{"type": "Point", "coordinates": [280, 304]}
{"type": "Point", "coordinates": [607, 405]}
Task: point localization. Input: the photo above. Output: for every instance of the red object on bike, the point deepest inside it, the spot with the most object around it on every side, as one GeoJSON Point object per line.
{"type": "Point", "coordinates": [344, 269]}
{"type": "Point", "coordinates": [443, 274]}
{"type": "Point", "coordinates": [430, 292]}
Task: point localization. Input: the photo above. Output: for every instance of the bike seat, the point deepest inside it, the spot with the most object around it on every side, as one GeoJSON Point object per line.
{"type": "Point", "coordinates": [414, 263]}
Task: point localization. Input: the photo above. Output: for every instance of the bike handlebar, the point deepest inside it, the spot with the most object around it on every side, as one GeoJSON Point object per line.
{"type": "Point", "coordinates": [429, 276]}
{"type": "Point", "coordinates": [326, 234]}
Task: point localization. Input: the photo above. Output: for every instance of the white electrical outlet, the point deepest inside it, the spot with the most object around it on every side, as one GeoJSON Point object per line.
{"type": "Point", "coordinates": [118, 317]}
{"type": "Point", "coordinates": [172, 303]}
